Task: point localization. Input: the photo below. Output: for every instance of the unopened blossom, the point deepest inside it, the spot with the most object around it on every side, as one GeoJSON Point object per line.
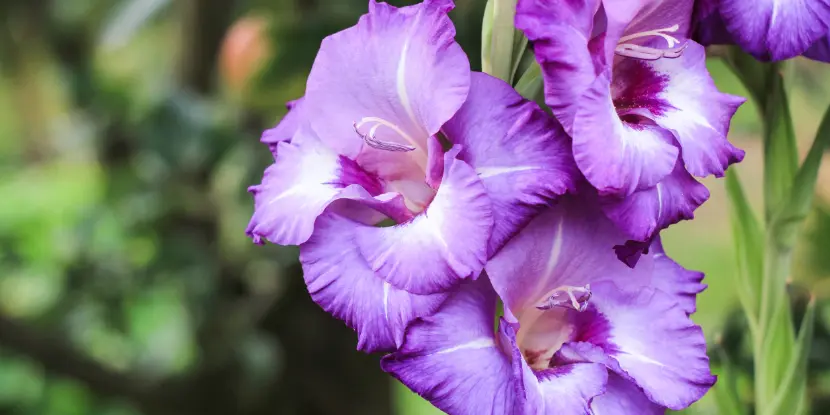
{"type": "Point", "coordinates": [770, 30]}
{"type": "Point", "coordinates": [634, 93]}
{"type": "Point", "coordinates": [581, 332]}
{"type": "Point", "coordinates": [405, 171]}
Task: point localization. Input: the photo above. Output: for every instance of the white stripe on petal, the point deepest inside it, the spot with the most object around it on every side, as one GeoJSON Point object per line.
{"type": "Point", "coordinates": [485, 172]}
{"type": "Point", "coordinates": [471, 345]}
{"type": "Point", "coordinates": [386, 300]}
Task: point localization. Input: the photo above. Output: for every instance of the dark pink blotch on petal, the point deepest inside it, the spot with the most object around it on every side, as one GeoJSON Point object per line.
{"type": "Point", "coordinates": [618, 157]}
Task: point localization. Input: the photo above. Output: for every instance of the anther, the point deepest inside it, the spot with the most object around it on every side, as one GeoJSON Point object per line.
{"type": "Point", "coordinates": [574, 298]}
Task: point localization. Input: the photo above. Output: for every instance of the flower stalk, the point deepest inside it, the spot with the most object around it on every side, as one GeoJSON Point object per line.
{"type": "Point", "coordinates": [779, 353]}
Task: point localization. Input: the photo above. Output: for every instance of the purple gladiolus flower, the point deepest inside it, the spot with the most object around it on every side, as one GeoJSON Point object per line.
{"type": "Point", "coordinates": [770, 30]}
{"type": "Point", "coordinates": [582, 333]}
{"type": "Point", "coordinates": [383, 102]}
{"type": "Point", "coordinates": [634, 93]}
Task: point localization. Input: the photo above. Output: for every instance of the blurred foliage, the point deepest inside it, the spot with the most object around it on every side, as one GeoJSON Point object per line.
{"type": "Point", "coordinates": [128, 135]}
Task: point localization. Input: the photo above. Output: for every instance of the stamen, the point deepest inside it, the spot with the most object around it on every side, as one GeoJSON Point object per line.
{"type": "Point", "coordinates": [371, 139]}
{"type": "Point", "coordinates": [647, 53]}
{"type": "Point", "coordinates": [656, 32]}
{"type": "Point", "coordinates": [574, 298]}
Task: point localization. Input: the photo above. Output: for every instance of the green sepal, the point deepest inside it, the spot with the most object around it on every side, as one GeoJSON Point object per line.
{"type": "Point", "coordinates": [531, 85]}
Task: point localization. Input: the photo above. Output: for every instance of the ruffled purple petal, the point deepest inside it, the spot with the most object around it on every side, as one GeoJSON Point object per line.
{"type": "Point", "coordinates": [560, 33]}
{"type": "Point", "coordinates": [341, 282]}
{"type": "Point", "coordinates": [820, 50]}
{"type": "Point", "coordinates": [565, 389]}
{"type": "Point", "coordinates": [697, 113]}
{"type": "Point", "coordinates": [303, 181]}
{"type": "Point", "coordinates": [651, 340]}
{"type": "Point", "coordinates": [622, 397]}
{"type": "Point", "coordinates": [649, 15]}
{"type": "Point", "coordinates": [776, 29]}
{"type": "Point", "coordinates": [569, 389]}
{"type": "Point", "coordinates": [520, 153]}
{"type": "Point", "coordinates": [441, 246]}
{"type": "Point", "coordinates": [400, 65]}
{"type": "Point", "coordinates": [452, 359]}
{"type": "Point", "coordinates": [569, 244]}
{"type": "Point", "coordinates": [618, 157]}
{"type": "Point", "coordinates": [646, 212]}
{"type": "Point", "coordinates": [286, 128]}
{"type": "Point", "coordinates": [671, 278]}
{"type": "Point", "coordinates": [709, 28]}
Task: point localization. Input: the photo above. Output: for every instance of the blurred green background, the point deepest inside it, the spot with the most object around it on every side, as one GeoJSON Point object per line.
{"type": "Point", "coordinates": [128, 135]}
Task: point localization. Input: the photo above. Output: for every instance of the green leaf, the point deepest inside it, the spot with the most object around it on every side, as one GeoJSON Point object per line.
{"type": "Point", "coordinates": [800, 198]}
{"type": "Point", "coordinates": [530, 85]}
{"type": "Point", "coordinates": [748, 240]}
{"type": "Point", "coordinates": [128, 19]}
{"type": "Point", "coordinates": [519, 47]}
{"type": "Point", "coordinates": [487, 35]}
{"type": "Point", "coordinates": [726, 389]}
{"type": "Point", "coordinates": [792, 389]}
{"type": "Point", "coordinates": [780, 149]}
{"type": "Point", "coordinates": [497, 39]}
